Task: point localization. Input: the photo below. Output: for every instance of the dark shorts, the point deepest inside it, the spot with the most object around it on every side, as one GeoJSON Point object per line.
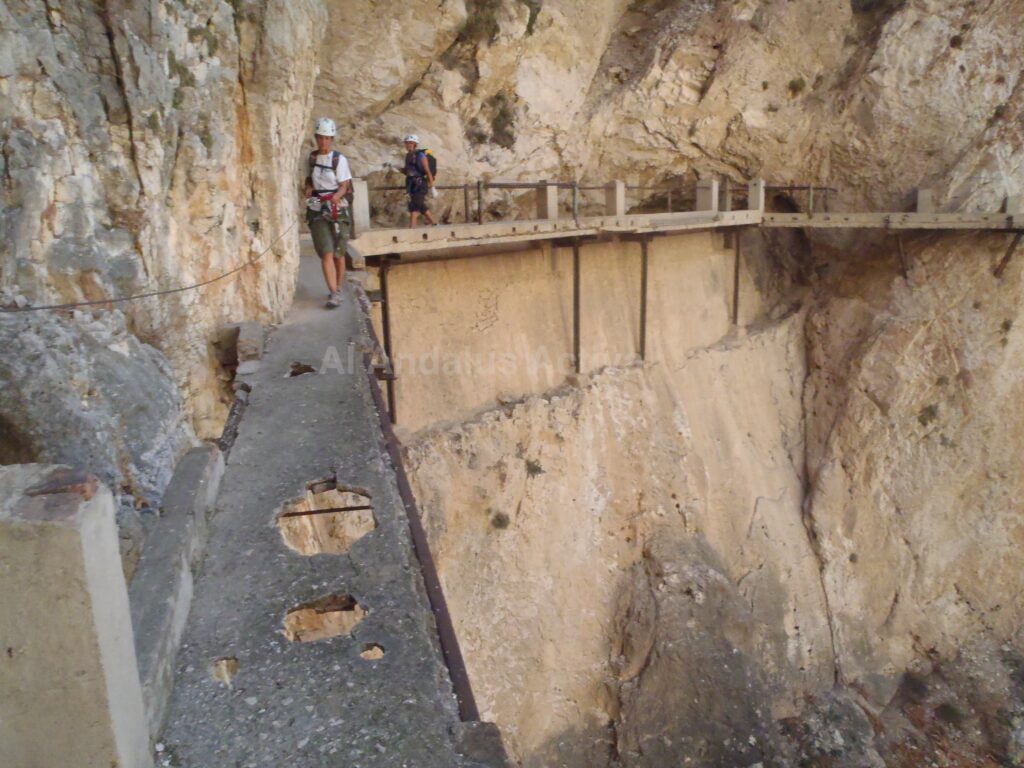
{"type": "Point", "coordinates": [418, 198]}
{"type": "Point", "coordinates": [330, 237]}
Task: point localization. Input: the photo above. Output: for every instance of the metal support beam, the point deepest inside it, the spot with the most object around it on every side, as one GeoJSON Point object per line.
{"type": "Point", "coordinates": [1001, 267]}
{"type": "Point", "coordinates": [904, 264]}
{"type": "Point", "coordinates": [576, 305]}
{"type": "Point", "coordinates": [479, 202]}
{"type": "Point", "coordinates": [736, 279]}
{"type": "Point", "coordinates": [465, 201]}
{"type": "Point", "coordinates": [385, 306]}
{"type": "Point", "coordinates": [643, 298]}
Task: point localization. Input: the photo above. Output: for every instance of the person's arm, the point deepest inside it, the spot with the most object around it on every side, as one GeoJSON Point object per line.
{"type": "Point", "coordinates": [343, 189]}
{"type": "Point", "coordinates": [344, 176]}
{"type": "Point", "coordinates": [425, 165]}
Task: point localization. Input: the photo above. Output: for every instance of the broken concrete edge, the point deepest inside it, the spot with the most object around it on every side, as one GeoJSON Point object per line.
{"type": "Point", "coordinates": [160, 594]}
{"type": "Point", "coordinates": [251, 340]}
{"type": "Point", "coordinates": [447, 639]}
{"type": "Point", "coordinates": [230, 432]}
{"type": "Point", "coordinates": [71, 689]}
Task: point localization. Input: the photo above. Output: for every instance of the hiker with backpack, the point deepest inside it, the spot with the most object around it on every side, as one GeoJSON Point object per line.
{"type": "Point", "coordinates": [328, 191]}
{"type": "Point", "coordinates": [419, 169]}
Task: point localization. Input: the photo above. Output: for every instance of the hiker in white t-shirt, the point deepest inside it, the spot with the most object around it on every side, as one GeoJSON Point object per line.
{"type": "Point", "coordinates": [328, 190]}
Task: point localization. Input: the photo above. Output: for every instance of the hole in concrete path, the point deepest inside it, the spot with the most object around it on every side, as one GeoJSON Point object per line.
{"type": "Point", "coordinates": [327, 519]}
{"type": "Point", "coordinates": [298, 369]}
{"type": "Point", "coordinates": [225, 669]}
{"type": "Point", "coordinates": [372, 652]}
{"type": "Point", "coordinates": [323, 618]}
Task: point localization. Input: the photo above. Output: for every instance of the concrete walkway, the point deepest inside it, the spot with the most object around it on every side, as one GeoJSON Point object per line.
{"type": "Point", "coordinates": [313, 703]}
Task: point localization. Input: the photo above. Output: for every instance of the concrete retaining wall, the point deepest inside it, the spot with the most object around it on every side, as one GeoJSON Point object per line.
{"type": "Point", "coordinates": [501, 326]}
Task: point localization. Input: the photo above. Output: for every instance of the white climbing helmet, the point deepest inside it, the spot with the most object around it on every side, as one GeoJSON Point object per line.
{"type": "Point", "coordinates": [413, 138]}
{"type": "Point", "coordinates": [326, 127]}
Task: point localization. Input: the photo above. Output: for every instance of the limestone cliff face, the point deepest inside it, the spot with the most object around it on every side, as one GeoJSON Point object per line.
{"type": "Point", "coordinates": [153, 146]}
{"type": "Point", "coordinates": [554, 519]}
{"type": "Point", "coordinates": [145, 146]}
{"type": "Point", "coordinates": [807, 528]}
{"type": "Point", "coordinates": [914, 456]}
{"type": "Point", "coordinates": [874, 96]}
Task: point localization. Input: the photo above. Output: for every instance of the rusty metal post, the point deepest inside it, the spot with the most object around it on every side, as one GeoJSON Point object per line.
{"type": "Point", "coordinates": [736, 280]}
{"type": "Point", "coordinates": [810, 198]}
{"type": "Point", "coordinates": [576, 304]}
{"type": "Point", "coordinates": [576, 202]}
{"type": "Point", "coordinates": [904, 265]}
{"type": "Point", "coordinates": [643, 297]}
{"type": "Point", "coordinates": [385, 309]}
{"type": "Point", "coordinates": [465, 201]}
{"type": "Point", "coordinates": [670, 199]}
{"type": "Point", "coordinates": [479, 202]}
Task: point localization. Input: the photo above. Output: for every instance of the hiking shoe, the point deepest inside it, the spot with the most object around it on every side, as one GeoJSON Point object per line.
{"type": "Point", "coordinates": [334, 300]}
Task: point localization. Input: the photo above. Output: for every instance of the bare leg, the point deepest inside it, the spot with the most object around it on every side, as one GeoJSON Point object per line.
{"type": "Point", "coordinates": [330, 273]}
{"type": "Point", "coordinates": [339, 266]}
{"type": "Point", "coordinates": [429, 217]}
{"type": "Point", "coordinates": [414, 219]}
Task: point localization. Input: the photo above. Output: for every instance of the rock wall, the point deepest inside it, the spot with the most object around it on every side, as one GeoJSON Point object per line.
{"type": "Point", "coordinates": [876, 97]}
{"type": "Point", "coordinates": [761, 538]}
{"type": "Point", "coordinates": [914, 456]}
{"type": "Point", "coordinates": [556, 520]}
{"type": "Point", "coordinates": [145, 146]}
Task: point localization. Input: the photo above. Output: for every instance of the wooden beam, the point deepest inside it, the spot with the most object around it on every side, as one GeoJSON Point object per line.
{"type": "Point", "coordinates": [891, 220]}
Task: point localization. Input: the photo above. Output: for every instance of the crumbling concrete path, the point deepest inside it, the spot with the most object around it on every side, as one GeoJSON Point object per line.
{"type": "Point", "coordinates": [246, 694]}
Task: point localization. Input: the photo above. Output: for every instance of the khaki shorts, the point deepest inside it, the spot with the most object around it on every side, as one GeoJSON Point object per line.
{"type": "Point", "coordinates": [330, 237]}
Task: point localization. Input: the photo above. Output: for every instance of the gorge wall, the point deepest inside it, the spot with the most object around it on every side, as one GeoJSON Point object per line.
{"type": "Point", "coordinates": [793, 541]}
{"type": "Point", "coordinates": [752, 541]}
{"type": "Point", "coordinates": [877, 97]}
{"type": "Point", "coordinates": [145, 146]}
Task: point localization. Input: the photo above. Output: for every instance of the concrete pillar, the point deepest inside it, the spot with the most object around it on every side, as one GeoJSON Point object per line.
{"type": "Point", "coordinates": [925, 201]}
{"type": "Point", "coordinates": [756, 195]}
{"type": "Point", "coordinates": [547, 201]}
{"type": "Point", "coordinates": [71, 693]}
{"type": "Point", "coordinates": [707, 195]}
{"type": "Point", "coordinates": [615, 198]}
{"type": "Point", "coordinates": [360, 206]}
{"type": "Point", "coordinates": [725, 195]}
